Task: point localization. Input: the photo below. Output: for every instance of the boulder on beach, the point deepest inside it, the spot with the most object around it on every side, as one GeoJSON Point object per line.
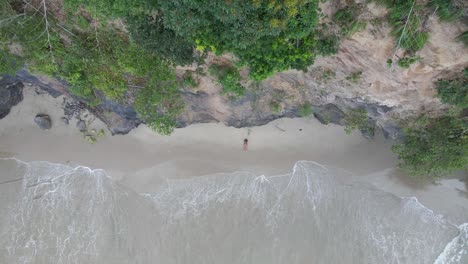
{"type": "Point", "coordinates": [43, 121]}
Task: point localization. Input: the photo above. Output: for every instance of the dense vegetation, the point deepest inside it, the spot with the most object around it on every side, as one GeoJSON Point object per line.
{"type": "Point", "coordinates": [436, 146]}
{"type": "Point", "coordinates": [150, 33]}
{"type": "Point", "coordinates": [97, 59]}
{"type": "Point", "coordinates": [266, 36]}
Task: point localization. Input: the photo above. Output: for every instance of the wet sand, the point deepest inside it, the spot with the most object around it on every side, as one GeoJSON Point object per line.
{"type": "Point", "coordinates": [142, 159]}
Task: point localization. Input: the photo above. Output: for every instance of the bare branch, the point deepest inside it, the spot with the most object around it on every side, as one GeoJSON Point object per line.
{"type": "Point", "coordinates": [10, 18]}
{"type": "Point", "coordinates": [37, 10]}
{"type": "Point", "coordinates": [402, 33]}
{"type": "Point", "coordinates": [44, 7]}
{"type": "Point", "coordinates": [98, 46]}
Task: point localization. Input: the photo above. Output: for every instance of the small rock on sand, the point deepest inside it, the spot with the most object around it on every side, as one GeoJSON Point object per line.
{"type": "Point", "coordinates": [65, 120]}
{"type": "Point", "coordinates": [43, 121]}
{"type": "Point", "coordinates": [81, 125]}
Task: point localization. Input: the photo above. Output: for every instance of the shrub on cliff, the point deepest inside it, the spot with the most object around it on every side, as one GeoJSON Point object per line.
{"type": "Point", "coordinates": [434, 147]}
{"type": "Point", "coordinates": [406, 62]}
{"type": "Point", "coordinates": [346, 18]}
{"type": "Point", "coordinates": [229, 78]}
{"type": "Point", "coordinates": [446, 10]}
{"type": "Point", "coordinates": [158, 104]}
{"type": "Point", "coordinates": [357, 119]}
{"type": "Point", "coordinates": [406, 17]}
{"type": "Point", "coordinates": [454, 91]}
{"type": "Point", "coordinates": [305, 110]}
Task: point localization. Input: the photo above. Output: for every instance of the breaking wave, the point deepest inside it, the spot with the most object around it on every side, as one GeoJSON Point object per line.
{"type": "Point", "coordinates": [51, 213]}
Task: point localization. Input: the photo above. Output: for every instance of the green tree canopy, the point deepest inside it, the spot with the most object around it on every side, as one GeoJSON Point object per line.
{"type": "Point", "coordinates": [266, 35]}
{"type": "Point", "coordinates": [149, 32]}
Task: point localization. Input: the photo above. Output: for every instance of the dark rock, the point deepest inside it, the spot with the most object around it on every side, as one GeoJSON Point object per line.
{"type": "Point", "coordinates": [11, 93]}
{"type": "Point", "coordinates": [81, 125]}
{"type": "Point", "coordinates": [73, 109]}
{"type": "Point", "coordinates": [329, 113]}
{"type": "Point", "coordinates": [391, 130]}
{"type": "Point", "coordinates": [119, 118]}
{"type": "Point", "coordinates": [65, 120]}
{"type": "Point", "coordinates": [43, 121]}
{"type": "Point", "coordinates": [54, 88]}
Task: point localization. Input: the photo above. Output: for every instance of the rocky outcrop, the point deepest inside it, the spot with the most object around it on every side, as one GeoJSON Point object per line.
{"type": "Point", "coordinates": [43, 121]}
{"type": "Point", "coordinates": [254, 109]}
{"type": "Point", "coordinates": [119, 117]}
{"type": "Point", "coordinates": [52, 86]}
{"type": "Point", "coordinates": [329, 113]}
{"type": "Point", "coordinates": [11, 93]}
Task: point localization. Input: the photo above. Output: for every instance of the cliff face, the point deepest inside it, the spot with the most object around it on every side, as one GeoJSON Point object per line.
{"type": "Point", "coordinates": [357, 76]}
{"type": "Point", "coordinates": [388, 92]}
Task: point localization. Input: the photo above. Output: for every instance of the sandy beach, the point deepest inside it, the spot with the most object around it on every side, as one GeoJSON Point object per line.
{"type": "Point", "coordinates": [142, 159]}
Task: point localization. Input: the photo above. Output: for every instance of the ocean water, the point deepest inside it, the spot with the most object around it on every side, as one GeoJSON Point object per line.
{"type": "Point", "coordinates": [51, 213]}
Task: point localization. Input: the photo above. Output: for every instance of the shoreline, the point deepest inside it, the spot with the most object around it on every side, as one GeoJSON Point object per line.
{"type": "Point", "coordinates": [142, 159]}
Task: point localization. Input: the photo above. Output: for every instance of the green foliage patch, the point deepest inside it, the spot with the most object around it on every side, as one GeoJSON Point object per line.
{"type": "Point", "coordinates": [98, 61]}
{"type": "Point", "coordinates": [357, 119]}
{"type": "Point", "coordinates": [355, 77]}
{"type": "Point", "coordinates": [407, 27]}
{"type": "Point", "coordinates": [159, 102]}
{"type": "Point", "coordinates": [149, 32]}
{"type": "Point", "coordinates": [305, 110]}
{"type": "Point", "coordinates": [434, 147]}
{"type": "Point", "coordinates": [267, 36]}
{"type": "Point", "coordinates": [229, 78]}
{"type": "Point", "coordinates": [406, 62]}
{"type": "Point", "coordinates": [275, 107]}
{"type": "Point", "coordinates": [189, 81]}
{"type": "Point", "coordinates": [346, 18]}
{"type": "Point", "coordinates": [9, 63]}
{"type": "Point", "coordinates": [328, 45]}
{"type": "Point", "coordinates": [446, 10]}
{"type": "Point", "coordinates": [454, 91]}
{"type": "Point", "coordinates": [328, 75]}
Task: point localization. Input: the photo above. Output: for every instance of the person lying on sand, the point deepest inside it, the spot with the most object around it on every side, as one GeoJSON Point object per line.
{"type": "Point", "coordinates": [246, 144]}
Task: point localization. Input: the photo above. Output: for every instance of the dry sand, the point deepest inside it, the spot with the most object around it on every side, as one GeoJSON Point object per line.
{"type": "Point", "coordinates": [142, 159]}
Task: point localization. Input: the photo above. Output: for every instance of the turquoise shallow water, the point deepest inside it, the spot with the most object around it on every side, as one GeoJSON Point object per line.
{"type": "Point", "coordinates": [51, 213]}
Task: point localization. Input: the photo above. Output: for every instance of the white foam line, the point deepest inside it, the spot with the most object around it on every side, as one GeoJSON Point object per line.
{"type": "Point", "coordinates": [443, 258]}
{"type": "Point", "coordinates": [72, 169]}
